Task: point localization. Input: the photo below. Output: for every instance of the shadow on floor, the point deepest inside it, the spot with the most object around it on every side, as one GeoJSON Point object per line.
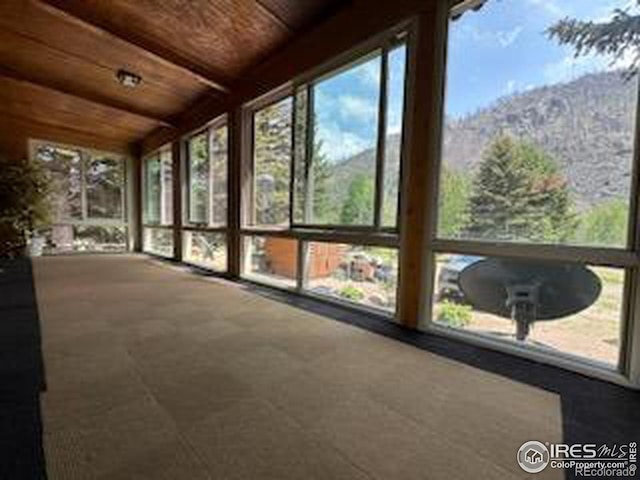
{"type": "Point", "coordinates": [593, 411]}
{"type": "Point", "coordinates": [21, 375]}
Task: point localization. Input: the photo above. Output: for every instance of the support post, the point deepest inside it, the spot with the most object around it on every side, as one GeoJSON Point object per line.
{"type": "Point", "coordinates": [422, 147]}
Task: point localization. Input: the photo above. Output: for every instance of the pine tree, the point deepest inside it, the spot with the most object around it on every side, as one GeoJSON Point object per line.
{"type": "Point", "coordinates": [615, 37]}
{"type": "Point", "coordinates": [358, 207]}
{"type": "Point", "coordinates": [519, 194]}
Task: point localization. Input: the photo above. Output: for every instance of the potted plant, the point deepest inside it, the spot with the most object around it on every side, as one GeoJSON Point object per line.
{"type": "Point", "coordinates": [23, 207]}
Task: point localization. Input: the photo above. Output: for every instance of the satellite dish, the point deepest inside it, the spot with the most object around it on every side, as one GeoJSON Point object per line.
{"type": "Point", "coordinates": [529, 291]}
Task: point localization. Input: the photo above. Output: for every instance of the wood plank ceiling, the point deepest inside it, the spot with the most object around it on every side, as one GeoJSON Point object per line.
{"type": "Point", "coordinates": [59, 58]}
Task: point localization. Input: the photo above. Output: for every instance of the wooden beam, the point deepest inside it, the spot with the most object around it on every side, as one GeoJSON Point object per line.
{"type": "Point", "coordinates": [98, 99]}
{"type": "Point", "coordinates": [422, 149]}
{"type": "Point", "coordinates": [158, 52]}
{"type": "Point", "coordinates": [22, 129]}
{"type": "Point", "coordinates": [349, 27]}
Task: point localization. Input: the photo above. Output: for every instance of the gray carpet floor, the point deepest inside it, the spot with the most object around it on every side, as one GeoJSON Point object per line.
{"type": "Point", "coordinates": [155, 373]}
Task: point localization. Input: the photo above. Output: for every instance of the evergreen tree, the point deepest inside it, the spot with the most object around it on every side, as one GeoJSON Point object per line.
{"type": "Point", "coordinates": [453, 211]}
{"type": "Point", "coordinates": [358, 207]}
{"type": "Point", "coordinates": [518, 194]}
{"type": "Point", "coordinates": [615, 37]}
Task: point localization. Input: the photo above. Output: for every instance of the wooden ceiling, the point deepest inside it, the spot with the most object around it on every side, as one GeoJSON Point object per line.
{"type": "Point", "coordinates": [58, 60]}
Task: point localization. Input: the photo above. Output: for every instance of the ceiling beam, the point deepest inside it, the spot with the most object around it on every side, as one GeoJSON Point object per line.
{"type": "Point", "coordinates": [157, 52]}
{"type": "Point", "coordinates": [34, 129]}
{"type": "Point", "coordinates": [353, 24]}
{"type": "Point", "coordinates": [63, 88]}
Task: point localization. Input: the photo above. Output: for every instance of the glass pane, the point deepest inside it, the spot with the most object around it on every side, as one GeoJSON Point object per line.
{"type": "Point", "coordinates": [272, 163]}
{"type": "Point", "coordinates": [94, 238]}
{"type": "Point", "coordinates": [198, 179]}
{"type": "Point", "coordinates": [166, 160]}
{"type": "Point", "coordinates": [341, 178]}
{"type": "Point", "coordinates": [219, 162]}
{"type": "Point", "coordinates": [300, 152]}
{"type": "Point", "coordinates": [561, 307]}
{"type": "Point", "coordinates": [158, 241]}
{"type": "Point", "coordinates": [104, 183]}
{"type": "Point", "coordinates": [152, 189]}
{"type": "Point", "coordinates": [396, 65]}
{"type": "Point", "coordinates": [271, 260]}
{"type": "Point", "coordinates": [207, 249]}
{"type": "Point", "coordinates": [538, 142]}
{"type": "Point", "coordinates": [65, 180]}
{"type": "Point", "coordinates": [354, 273]}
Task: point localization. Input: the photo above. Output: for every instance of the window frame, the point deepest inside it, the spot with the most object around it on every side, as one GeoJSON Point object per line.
{"type": "Point", "coordinates": [162, 222]}
{"type": "Point", "coordinates": [365, 235]}
{"type": "Point", "coordinates": [86, 155]}
{"type": "Point", "coordinates": [396, 38]}
{"type": "Point", "coordinates": [187, 226]}
{"type": "Point", "coordinates": [628, 258]}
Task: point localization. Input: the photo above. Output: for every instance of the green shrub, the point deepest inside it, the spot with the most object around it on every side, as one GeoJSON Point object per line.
{"type": "Point", "coordinates": [352, 293]}
{"type": "Point", "coordinates": [454, 314]}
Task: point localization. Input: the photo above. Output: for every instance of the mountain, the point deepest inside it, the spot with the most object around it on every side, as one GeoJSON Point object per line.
{"type": "Point", "coordinates": [586, 125]}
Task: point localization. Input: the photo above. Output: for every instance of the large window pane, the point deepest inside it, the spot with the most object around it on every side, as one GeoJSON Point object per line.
{"type": "Point", "coordinates": [219, 165]}
{"type": "Point", "coordinates": [353, 273]}
{"type": "Point", "coordinates": [538, 142]}
{"type": "Point", "coordinates": [198, 156]}
{"type": "Point", "coordinates": [591, 329]}
{"type": "Point", "coordinates": [396, 66]}
{"type": "Point", "coordinates": [104, 183]}
{"type": "Point", "coordinates": [272, 163]}
{"type": "Point", "coordinates": [166, 182]}
{"type": "Point", "coordinates": [158, 241]}
{"type": "Point", "coordinates": [271, 260]}
{"type": "Point", "coordinates": [88, 238]}
{"type": "Point", "coordinates": [207, 249]}
{"type": "Point", "coordinates": [341, 179]}
{"type": "Point", "coordinates": [152, 189]}
{"type": "Point", "coordinates": [64, 167]}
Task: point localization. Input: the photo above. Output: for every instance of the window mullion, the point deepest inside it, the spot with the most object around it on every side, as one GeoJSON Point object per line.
{"type": "Point", "coordinates": [382, 133]}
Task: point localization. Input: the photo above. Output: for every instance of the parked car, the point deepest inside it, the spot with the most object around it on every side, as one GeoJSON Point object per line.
{"type": "Point", "coordinates": [449, 276]}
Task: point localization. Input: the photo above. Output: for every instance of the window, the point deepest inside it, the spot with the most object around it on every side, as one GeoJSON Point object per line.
{"type": "Point", "coordinates": [326, 164]}
{"type": "Point", "coordinates": [205, 237]}
{"type": "Point", "coordinates": [207, 170]}
{"type": "Point", "coordinates": [199, 176]}
{"type": "Point", "coordinates": [538, 145]}
{"type": "Point", "coordinates": [348, 131]}
{"type": "Point", "coordinates": [355, 274]}
{"type": "Point", "coordinates": [206, 249]}
{"type": "Point", "coordinates": [272, 164]}
{"type": "Point", "coordinates": [104, 182]}
{"type": "Point", "coordinates": [158, 188]}
{"type": "Point", "coordinates": [87, 199]}
{"type": "Point", "coordinates": [158, 241]}
{"type": "Point", "coordinates": [535, 185]}
{"type": "Point", "coordinates": [271, 260]}
{"type": "Point", "coordinates": [219, 167]}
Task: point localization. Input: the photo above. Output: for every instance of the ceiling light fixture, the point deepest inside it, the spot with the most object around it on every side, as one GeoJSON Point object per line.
{"type": "Point", "coordinates": [128, 79]}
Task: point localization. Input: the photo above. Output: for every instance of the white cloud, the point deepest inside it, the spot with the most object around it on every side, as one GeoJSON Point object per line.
{"type": "Point", "coordinates": [506, 38]}
{"type": "Point", "coordinates": [368, 73]}
{"type": "Point", "coordinates": [503, 38]}
{"type": "Point", "coordinates": [511, 87]}
{"type": "Point", "coordinates": [338, 143]}
{"type": "Point", "coordinates": [356, 108]}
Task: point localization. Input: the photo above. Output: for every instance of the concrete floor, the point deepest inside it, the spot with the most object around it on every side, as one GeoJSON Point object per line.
{"type": "Point", "coordinates": [156, 373]}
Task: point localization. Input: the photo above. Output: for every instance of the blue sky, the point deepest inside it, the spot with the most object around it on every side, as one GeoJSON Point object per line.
{"type": "Point", "coordinates": [346, 106]}
{"type": "Point", "coordinates": [503, 49]}
{"type": "Point", "coordinates": [500, 50]}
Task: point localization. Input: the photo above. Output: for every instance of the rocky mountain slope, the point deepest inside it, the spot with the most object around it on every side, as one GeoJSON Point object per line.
{"type": "Point", "coordinates": [586, 125]}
